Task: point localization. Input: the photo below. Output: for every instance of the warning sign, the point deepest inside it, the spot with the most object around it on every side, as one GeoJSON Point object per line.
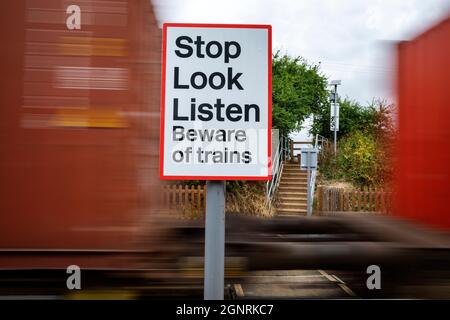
{"type": "Point", "coordinates": [216, 102]}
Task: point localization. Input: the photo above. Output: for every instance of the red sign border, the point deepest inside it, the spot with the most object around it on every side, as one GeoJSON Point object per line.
{"type": "Point", "coordinates": [163, 101]}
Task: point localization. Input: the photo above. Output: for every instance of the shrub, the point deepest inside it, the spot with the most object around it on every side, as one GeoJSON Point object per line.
{"type": "Point", "coordinates": [247, 198]}
{"type": "Point", "coordinates": [357, 160]}
{"type": "Point", "coordinates": [365, 147]}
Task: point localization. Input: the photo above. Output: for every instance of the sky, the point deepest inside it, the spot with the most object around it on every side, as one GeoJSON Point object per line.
{"type": "Point", "coordinates": [353, 40]}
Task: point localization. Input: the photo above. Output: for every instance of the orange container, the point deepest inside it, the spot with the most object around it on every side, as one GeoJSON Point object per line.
{"type": "Point", "coordinates": [423, 168]}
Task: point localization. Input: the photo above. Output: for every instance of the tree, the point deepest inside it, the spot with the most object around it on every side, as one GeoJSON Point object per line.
{"type": "Point", "coordinates": [365, 148]}
{"type": "Point", "coordinates": [298, 90]}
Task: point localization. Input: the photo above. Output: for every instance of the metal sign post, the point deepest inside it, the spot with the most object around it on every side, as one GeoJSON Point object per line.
{"type": "Point", "coordinates": [334, 112]}
{"type": "Point", "coordinates": [216, 116]}
{"type": "Point", "coordinates": [214, 240]}
{"type": "Point", "coordinates": [308, 200]}
{"type": "Point", "coordinates": [308, 161]}
{"type": "Point", "coordinates": [334, 121]}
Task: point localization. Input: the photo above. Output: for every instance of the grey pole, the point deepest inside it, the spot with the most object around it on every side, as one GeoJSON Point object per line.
{"type": "Point", "coordinates": [335, 132]}
{"type": "Point", "coordinates": [308, 194]}
{"type": "Point", "coordinates": [214, 240]}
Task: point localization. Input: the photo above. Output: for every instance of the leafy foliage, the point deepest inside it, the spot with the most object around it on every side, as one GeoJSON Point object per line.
{"type": "Point", "coordinates": [352, 117]}
{"type": "Point", "coordinates": [298, 90]}
{"type": "Point", "coordinates": [357, 159]}
{"type": "Point", "coordinates": [365, 147]}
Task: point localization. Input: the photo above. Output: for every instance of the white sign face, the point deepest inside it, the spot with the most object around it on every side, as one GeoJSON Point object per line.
{"type": "Point", "coordinates": [216, 102]}
{"type": "Point", "coordinates": [308, 158]}
{"type": "Point", "coordinates": [334, 116]}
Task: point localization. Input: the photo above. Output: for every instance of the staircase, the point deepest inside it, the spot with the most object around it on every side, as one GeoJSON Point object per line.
{"type": "Point", "coordinates": [292, 191]}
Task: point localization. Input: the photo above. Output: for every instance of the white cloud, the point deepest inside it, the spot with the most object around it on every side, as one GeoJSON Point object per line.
{"type": "Point", "coordinates": [352, 39]}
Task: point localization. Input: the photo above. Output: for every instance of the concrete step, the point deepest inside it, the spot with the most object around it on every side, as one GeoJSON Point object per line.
{"type": "Point", "coordinates": [294, 166]}
{"type": "Point", "coordinates": [285, 205]}
{"type": "Point", "coordinates": [292, 188]}
{"type": "Point", "coordinates": [294, 178]}
{"type": "Point", "coordinates": [294, 181]}
{"type": "Point", "coordinates": [287, 199]}
{"type": "Point", "coordinates": [296, 170]}
{"type": "Point", "coordinates": [292, 194]}
{"type": "Point", "coordinates": [292, 204]}
{"type": "Point", "coordinates": [296, 173]}
{"type": "Point", "coordinates": [292, 169]}
{"type": "Point", "coordinates": [297, 210]}
{"type": "Point", "coordinates": [291, 212]}
{"type": "Point", "coordinates": [298, 184]}
{"type": "Point", "coordinates": [302, 210]}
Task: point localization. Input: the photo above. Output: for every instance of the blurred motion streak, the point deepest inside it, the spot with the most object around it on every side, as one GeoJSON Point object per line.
{"type": "Point", "coordinates": [91, 78]}
{"type": "Point", "coordinates": [89, 46]}
{"type": "Point", "coordinates": [79, 128]}
{"type": "Point", "coordinates": [423, 170]}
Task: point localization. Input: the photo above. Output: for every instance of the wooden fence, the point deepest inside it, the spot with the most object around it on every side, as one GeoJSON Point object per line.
{"type": "Point", "coordinates": [340, 199]}
{"type": "Point", "coordinates": [189, 200]}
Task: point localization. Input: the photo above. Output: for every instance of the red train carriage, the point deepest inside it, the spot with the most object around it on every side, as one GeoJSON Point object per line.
{"type": "Point", "coordinates": [79, 123]}
{"type": "Point", "coordinates": [423, 167]}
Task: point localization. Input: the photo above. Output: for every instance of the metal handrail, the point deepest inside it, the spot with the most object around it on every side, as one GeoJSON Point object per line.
{"type": "Point", "coordinates": [318, 143]}
{"type": "Point", "coordinates": [320, 139]}
{"type": "Point", "coordinates": [277, 168]}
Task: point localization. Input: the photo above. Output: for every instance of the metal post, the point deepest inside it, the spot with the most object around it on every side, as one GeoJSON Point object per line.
{"type": "Point", "coordinates": [214, 240]}
{"type": "Point", "coordinates": [308, 200]}
{"type": "Point", "coordinates": [335, 123]}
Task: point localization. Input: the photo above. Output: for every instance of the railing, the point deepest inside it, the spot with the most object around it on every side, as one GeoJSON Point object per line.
{"type": "Point", "coordinates": [277, 169]}
{"type": "Point", "coordinates": [286, 151]}
{"type": "Point", "coordinates": [190, 200]}
{"type": "Point", "coordinates": [297, 146]}
{"type": "Point", "coordinates": [319, 141]}
{"type": "Point", "coordinates": [366, 200]}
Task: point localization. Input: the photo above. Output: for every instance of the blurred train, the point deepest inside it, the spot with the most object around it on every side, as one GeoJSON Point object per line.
{"type": "Point", "coordinates": [79, 135]}
{"type": "Point", "coordinates": [423, 151]}
{"type": "Point", "coordinates": [79, 128]}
